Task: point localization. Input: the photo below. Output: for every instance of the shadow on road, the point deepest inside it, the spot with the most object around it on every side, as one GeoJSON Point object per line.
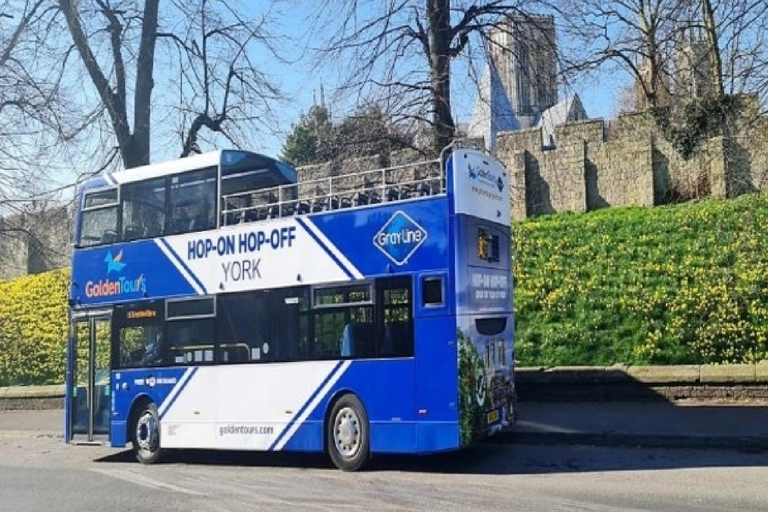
{"type": "Point", "coordinates": [549, 438]}
{"type": "Point", "coordinates": [487, 458]}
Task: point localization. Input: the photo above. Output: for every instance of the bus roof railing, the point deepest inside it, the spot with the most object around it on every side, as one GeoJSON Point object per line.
{"type": "Point", "coordinates": [398, 183]}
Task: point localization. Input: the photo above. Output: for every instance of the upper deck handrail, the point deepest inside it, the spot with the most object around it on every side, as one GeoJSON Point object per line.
{"type": "Point", "coordinates": [397, 183]}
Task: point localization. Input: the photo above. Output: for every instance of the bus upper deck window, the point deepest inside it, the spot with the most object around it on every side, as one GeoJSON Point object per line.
{"type": "Point", "coordinates": [432, 291]}
{"type": "Point", "coordinates": [98, 217]}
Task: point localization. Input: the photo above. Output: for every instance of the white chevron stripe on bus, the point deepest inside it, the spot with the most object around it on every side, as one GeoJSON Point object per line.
{"type": "Point", "coordinates": [175, 391]}
{"type": "Point", "coordinates": [312, 405]}
{"type": "Point", "coordinates": [185, 274]}
{"type": "Point", "coordinates": [332, 248]}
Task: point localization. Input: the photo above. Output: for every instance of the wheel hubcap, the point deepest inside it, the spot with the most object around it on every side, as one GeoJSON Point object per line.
{"type": "Point", "coordinates": [147, 435]}
{"type": "Point", "coordinates": [346, 432]}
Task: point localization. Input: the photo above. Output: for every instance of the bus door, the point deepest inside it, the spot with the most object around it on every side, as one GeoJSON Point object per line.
{"type": "Point", "coordinates": [88, 397]}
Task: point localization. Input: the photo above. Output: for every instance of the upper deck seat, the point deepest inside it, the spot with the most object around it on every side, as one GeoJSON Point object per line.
{"type": "Point", "coordinates": [134, 232]}
{"type": "Point", "coordinates": [288, 209]}
{"type": "Point", "coordinates": [250, 215]}
{"type": "Point", "coordinates": [109, 236]}
{"type": "Point", "coordinates": [318, 205]}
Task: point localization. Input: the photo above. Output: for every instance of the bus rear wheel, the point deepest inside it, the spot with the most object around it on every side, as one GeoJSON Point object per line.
{"type": "Point", "coordinates": [348, 434]}
{"type": "Point", "coordinates": [146, 435]}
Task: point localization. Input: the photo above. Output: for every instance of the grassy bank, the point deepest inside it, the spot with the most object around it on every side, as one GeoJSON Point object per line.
{"type": "Point", "coordinates": [665, 285]}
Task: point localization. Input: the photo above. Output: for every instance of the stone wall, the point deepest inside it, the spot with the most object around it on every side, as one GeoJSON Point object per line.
{"type": "Point", "coordinates": [747, 150]}
{"type": "Point", "coordinates": [583, 173]}
{"type": "Point", "coordinates": [545, 181]}
{"type": "Point", "coordinates": [636, 166]}
{"type": "Point", "coordinates": [618, 172]}
{"type": "Point", "coordinates": [35, 242]}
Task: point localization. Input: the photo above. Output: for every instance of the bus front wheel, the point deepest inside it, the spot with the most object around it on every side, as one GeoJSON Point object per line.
{"type": "Point", "coordinates": [348, 437]}
{"type": "Point", "coordinates": [146, 435]}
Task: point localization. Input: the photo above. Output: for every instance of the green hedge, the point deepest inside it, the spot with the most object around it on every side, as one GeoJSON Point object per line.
{"type": "Point", "coordinates": [666, 285]}
{"type": "Point", "coordinates": [33, 329]}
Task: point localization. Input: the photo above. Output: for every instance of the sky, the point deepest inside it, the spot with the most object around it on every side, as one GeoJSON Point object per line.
{"type": "Point", "coordinates": [301, 85]}
{"type": "Point", "coordinates": [599, 95]}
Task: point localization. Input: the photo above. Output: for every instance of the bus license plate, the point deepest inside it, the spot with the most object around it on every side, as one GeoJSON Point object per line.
{"type": "Point", "coordinates": [493, 417]}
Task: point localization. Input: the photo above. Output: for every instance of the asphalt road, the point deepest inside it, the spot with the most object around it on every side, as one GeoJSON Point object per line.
{"type": "Point", "coordinates": [39, 472]}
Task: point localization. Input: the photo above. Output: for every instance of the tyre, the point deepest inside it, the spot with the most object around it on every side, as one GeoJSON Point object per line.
{"type": "Point", "coordinates": [348, 434]}
{"type": "Point", "coordinates": [146, 435]}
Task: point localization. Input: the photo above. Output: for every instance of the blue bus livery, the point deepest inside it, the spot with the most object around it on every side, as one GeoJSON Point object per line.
{"type": "Point", "coordinates": [219, 302]}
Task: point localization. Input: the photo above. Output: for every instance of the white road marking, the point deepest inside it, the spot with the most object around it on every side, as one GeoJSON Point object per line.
{"type": "Point", "coordinates": [145, 481]}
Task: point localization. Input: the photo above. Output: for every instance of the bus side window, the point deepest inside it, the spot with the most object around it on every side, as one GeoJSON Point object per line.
{"type": "Point", "coordinates": [190, 330]}
{"type": "Point", "coordinates": [244, 327]}
{"type": "Point", "coordinates": [343, 321]}
{"type": "Point", "coordinates": [143, 208]}
{"type": "Point", "coordinates": [358, 340]}
{"type": "Point", "coordinates": [398, 340]}
{"type": "Point", "coordinates": [192, 196]}
{"type": "Point", "coordinates": [329, 332]}
{"type": "Point", "coordinates": [190, 341]}
{"type": "Point", "coordinates": [395, 302]}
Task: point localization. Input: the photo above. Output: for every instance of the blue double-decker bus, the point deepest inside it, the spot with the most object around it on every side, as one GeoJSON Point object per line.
{"type": "Point", "coordinates": [219, 302]}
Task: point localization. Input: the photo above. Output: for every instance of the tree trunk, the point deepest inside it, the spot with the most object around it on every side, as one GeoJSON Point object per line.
{"type": "Point", "coordinates": [134, 147]}
{"type": "Point", "coordinates": [438, 12]}
{"type": "Point", "coordinates": [715, 61]}
{"type": "Point", "coordinates": [138, 152]}
{"type": "Point", "coordinates": [651, 78]}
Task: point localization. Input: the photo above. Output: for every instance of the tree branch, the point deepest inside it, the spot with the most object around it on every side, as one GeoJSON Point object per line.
{"type": "Point", "coordinates": [115, 109]}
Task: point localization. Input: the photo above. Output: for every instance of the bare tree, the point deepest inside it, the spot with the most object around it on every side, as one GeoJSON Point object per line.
{"type": "Point", "coordinates": [28, 95]}
{"type": "Point", "coordinates": [32, 134]}
{"type": "Point", "coordinates": [84, 85]}
{"type": "Point", "coordinates": [636, 35]}
{"type": "Point", "coordinates": [206, 66]}
{"type": "Point", "coordinates": [715, 59]}
{"type": "Point", "coordinates": [220, 85]}
{"type": "Point", "coordinates": [735, 33]}
{"type": "Point", "coordinates": [681, 48]}
{"type": "Point", "coordinates": [403, 50]}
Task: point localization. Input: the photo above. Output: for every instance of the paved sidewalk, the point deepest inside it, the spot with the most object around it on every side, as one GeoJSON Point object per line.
{"type": "Point", "coordinates": [48, 423]}
{"type": "Point", "coordinates": [654, 424]}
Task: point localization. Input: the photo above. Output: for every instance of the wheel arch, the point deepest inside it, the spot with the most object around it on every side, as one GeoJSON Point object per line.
{"type": "Point", "coordinates": [139, 402]}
